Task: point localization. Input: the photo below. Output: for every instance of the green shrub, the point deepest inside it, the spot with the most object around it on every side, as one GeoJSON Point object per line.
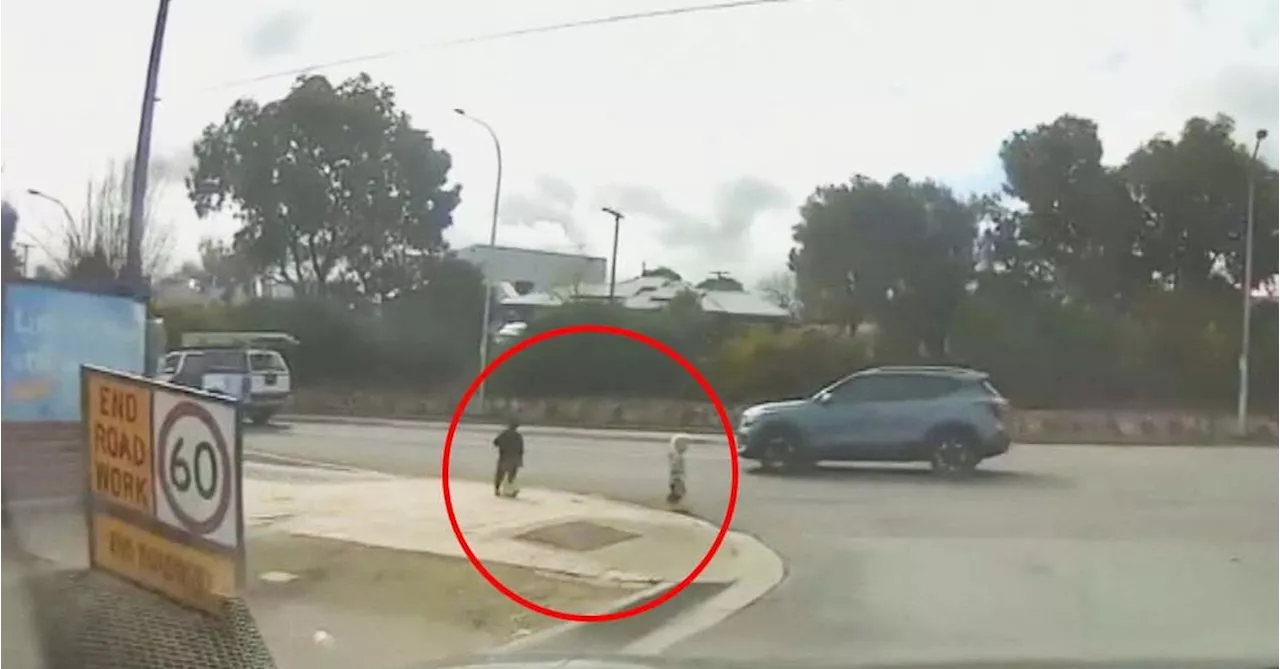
{"type": "Point", "coordinates": [764, 364]}
{"type": "Point", "coordinates": [590, 364]}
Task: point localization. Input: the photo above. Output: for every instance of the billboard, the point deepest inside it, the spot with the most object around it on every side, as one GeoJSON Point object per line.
{"type": "Point", "coordinates": [49, 331]}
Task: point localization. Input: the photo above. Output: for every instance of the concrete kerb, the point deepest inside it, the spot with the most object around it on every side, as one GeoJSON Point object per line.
{"type": "Point", "coordinates": [612, 434]}
{"type": "Point", "coordinates": [766, 570]}
{"type": "Point", "coordinates": [546, 636]}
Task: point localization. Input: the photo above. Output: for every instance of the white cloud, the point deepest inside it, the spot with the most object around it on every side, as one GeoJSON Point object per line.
{"type": "Point", "coordinates": [793, 95]}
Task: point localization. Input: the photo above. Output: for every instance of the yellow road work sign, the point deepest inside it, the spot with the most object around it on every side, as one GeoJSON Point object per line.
{"type": "Point", "coordinates": [166, 509]}
{"type": "Point", "coordinates": [183, 573]}
{"type": "Point", "coordinates": [118, 417]}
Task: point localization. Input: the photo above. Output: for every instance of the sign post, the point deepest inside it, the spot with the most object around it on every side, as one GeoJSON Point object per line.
{"type": "Point", "coordinates": [164, 502]}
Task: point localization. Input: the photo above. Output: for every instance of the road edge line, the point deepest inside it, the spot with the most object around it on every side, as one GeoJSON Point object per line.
{"type": "Point", "coordinates": [265, 457]}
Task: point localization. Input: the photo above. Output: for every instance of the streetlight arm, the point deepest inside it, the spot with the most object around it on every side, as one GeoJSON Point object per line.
{"type": "Point", "coordinates": [497, 151]}
{"type": "Point", "coordinates": [71, 220]}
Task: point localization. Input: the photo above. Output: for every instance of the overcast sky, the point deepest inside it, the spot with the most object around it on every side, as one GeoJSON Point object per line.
{"type": "Point", "coordinates": [707, 130]}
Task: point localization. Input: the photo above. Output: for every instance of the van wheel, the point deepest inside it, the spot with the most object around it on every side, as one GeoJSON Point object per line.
{"type": "Point", "coordinates": [953, 453]}
{"type": "Point", "coordinates": [260, 417]}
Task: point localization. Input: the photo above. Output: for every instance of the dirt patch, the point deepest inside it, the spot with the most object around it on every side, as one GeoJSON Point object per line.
{"type": "Point", "coordinates": [387, 609]}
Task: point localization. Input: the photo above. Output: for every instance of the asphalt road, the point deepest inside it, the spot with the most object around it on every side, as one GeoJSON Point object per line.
{"type": "Point", "coordinates": [1052, 552]}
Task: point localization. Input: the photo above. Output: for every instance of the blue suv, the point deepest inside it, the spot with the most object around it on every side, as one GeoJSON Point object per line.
{"type": "Point", "coordinates": [950, 417]}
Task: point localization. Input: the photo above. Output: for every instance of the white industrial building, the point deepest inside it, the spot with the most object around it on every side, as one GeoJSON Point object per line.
{"type": "Point", "coordinates": [530, 270]}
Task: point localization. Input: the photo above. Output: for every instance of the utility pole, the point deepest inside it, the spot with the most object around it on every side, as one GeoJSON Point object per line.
{"type": "Point", "coordinates": [22, 259]}
{"type": "Point", "coordinates": [142, 154]}
{"type": "Point", "coordinates": [9, 227]}
{"type": "Point", "coordinates": [1246, 289]}
{"type": "Point", "coordinates": [613, 262]}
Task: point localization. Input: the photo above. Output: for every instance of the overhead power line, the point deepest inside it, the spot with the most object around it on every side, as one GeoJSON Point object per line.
{"type": "Point", "coordinates": [497, 36]}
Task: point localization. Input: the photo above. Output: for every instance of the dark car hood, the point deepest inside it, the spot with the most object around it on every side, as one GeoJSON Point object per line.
{"type": "Point", "coordinates": [622, 662]}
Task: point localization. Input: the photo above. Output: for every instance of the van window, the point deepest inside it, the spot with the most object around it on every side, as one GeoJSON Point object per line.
{"type": "Point", "coordinates": [266, 361]}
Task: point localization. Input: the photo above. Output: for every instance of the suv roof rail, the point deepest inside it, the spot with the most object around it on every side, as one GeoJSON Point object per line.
{"type": "Point", "coordinates": [953, 369]}
{"type": "Point", "coordinates": [236, 339]}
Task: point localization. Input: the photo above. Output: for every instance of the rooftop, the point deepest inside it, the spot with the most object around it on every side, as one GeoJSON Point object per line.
{"type": "Point", "coordinates": [517, 249]}
{"type": "Point", "coordinates": [648, 293]}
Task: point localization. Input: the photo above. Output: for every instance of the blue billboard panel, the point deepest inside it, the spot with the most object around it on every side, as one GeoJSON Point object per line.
{"type": "Point", "coordinates": [49, 331]}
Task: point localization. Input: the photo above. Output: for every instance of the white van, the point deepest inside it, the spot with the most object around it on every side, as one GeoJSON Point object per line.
{"type": "Point", "coordinates": [258, 378]}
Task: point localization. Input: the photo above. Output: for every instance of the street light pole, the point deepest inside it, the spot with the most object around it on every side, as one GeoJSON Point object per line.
{"type": "Point", "coordinates": [493, 240]}
{"type": "Point", "coordinates": [142, 153]}
{"type": "Point", "coordinates": [71, 220]}
{"type": "Point", "coordinates": [613, 262]}
{"type": "Point", "coordinates": [1246, 289]}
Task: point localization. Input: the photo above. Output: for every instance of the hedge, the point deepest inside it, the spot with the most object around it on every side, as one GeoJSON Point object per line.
{"type": "Point", "coordinates": [1041, 354]}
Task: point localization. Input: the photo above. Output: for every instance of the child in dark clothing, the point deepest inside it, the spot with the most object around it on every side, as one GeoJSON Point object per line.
{"type": "Point", "coordinates": [510, 445]}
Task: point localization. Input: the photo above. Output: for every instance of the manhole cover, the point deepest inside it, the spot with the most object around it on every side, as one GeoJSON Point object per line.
{"type": "Point", "coordinates": [577, 535]}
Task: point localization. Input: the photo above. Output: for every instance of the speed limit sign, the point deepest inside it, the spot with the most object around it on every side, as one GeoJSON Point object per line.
{"type": "Point", "coordinates": [196, 467]}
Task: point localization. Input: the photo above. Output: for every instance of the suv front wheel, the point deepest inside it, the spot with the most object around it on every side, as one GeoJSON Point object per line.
{"type": "Point", "coordinates": [782, 450]}
{"type": "Point", "coordinates": [261, 416]}
{"type": "Point", "coordinates": [953, 452]}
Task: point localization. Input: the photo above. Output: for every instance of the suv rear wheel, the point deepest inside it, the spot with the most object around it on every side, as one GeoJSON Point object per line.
{"type": "Point", "coordinates": [260, 416]}
{"type": "Point", "coordinates": [953, 452]}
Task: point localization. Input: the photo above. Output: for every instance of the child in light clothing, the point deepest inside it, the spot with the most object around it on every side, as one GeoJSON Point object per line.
{"type": "Point", "coordinates": [676, 470]}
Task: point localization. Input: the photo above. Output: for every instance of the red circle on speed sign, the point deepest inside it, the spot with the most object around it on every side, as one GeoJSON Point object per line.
{"type": "Point", "coordinates": [189, 409]}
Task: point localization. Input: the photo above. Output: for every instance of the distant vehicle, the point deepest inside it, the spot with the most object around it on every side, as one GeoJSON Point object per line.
{"type": "Point", "coordinates": [950, 417]}
{"type": "Point", "coordinates": [509, 333]}
{"type": "Point", "coordinates": [236, 364]}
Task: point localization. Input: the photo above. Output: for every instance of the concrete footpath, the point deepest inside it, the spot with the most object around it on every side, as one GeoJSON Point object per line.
{"type": "Point", "coordinates": [21, 638]}
{"type": "Point", "coordinates": [546, 545]}
{"type": "Point", "coordinates": [546, 530]}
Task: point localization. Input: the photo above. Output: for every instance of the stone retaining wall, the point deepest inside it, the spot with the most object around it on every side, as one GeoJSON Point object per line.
{"type": "Point", "coordinates": [1028, 426]}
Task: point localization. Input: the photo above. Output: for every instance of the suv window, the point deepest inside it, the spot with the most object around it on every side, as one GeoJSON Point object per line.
{"type": "Point", "coordinates": [894, 388]}
{"type": "Point", "coordinates": [169, 364]}
{"type": "Point", "coordinates": [191, 370]}
{"type": "Point", "coordinates": [924, 387]}
{"type": "Point", "coordinates": [266, 361]}
{"type": "Point", "coordinates": [228, 361]}
{"type": "Point", "coordinates": [875, 388]}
